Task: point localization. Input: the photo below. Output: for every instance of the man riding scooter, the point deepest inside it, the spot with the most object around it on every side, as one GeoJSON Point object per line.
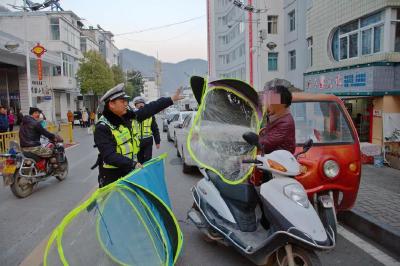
{"type": "Point", "coordinates": [30, 132]}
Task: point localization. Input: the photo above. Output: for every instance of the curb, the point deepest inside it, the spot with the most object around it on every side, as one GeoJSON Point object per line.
{"type": "Point", "coordinates": [370, 227]}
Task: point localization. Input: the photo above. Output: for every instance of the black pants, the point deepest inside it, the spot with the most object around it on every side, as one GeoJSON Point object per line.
{"type": "Point", "coordinates": [146, 150]}
{"type": "Point", "coordinates": [108, 176]}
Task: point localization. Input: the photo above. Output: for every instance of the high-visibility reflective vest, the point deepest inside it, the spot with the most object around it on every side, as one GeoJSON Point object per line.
{"type": "Point", "coordinates": [144, 128]}
{"type": "Point", "coordinates": [127, 140]}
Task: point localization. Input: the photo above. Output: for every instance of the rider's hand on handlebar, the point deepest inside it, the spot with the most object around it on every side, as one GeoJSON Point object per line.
{"type": "Point", "coordinates": [58, 138]}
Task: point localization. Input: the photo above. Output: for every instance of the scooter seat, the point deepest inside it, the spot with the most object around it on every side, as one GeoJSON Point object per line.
{"type": "Point", "coordinates": [244, 193]}
{"type": "Point", "coordinates": [32, 155]}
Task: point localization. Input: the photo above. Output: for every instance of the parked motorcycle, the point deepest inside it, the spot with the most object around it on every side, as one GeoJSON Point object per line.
{"type": "Point", "coordinates": [276, 224]}
{"type": "Point", "coordinates": [23, 170]}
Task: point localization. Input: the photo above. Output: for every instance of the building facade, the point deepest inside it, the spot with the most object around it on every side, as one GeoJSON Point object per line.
{"type": "Point", "coordinates": [59, 33]}
{"type": "Point", "coordinates": [13, 80]}
{"type": "Point", "coordinates": [260, 44]}
{"type": "Point", "coordinates": [150, 89]}
{"type": "Point", "coordinates": [355, 51]}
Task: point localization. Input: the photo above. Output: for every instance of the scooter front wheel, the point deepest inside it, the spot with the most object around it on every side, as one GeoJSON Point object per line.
{"type": "Point", "coordinates": [63, 171]}
{"type": "Point", "coordinates": [21, 188]}
{"type": "Point", "coordinates": [301, 257]}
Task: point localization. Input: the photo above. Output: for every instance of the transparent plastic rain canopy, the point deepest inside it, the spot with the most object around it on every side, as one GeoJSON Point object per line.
{"type": "Point", "coordinates": [228, 109]}
{"type": "Point", "coordinates": [128, 222]}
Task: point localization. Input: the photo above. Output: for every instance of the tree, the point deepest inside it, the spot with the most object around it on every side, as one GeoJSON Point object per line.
{"type": "Point", "coordinates": [94, 74]}
{"type": "Point", "coordinates": [134, 78]}
{"type": "Point", "coordinates": [118, 74]}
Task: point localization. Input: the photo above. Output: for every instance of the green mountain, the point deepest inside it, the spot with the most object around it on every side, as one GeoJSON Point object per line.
{"type": "Point", "coordinates": [173, 75]}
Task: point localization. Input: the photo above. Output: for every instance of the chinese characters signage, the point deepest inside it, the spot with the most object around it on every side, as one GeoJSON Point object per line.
{"type": "Point", "coordinates": [39, 50]}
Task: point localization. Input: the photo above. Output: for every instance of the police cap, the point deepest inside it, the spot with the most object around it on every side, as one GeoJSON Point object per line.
{"type": "Point", "coordinates": [116, 92]}
{"type": "Point", "coordinates": [138, 99]}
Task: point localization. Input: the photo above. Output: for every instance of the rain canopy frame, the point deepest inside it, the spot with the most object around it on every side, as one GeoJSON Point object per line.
{"type": "Point", "coordinates": [129, 222]}
{"type": "Point", "coordinates": [228, 108]}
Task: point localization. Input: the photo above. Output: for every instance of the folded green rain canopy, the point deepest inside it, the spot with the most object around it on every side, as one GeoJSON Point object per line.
{"type": "Point", "coordinates": [128, 222]}
{"type": "Point", "coordinates": [228, 108]}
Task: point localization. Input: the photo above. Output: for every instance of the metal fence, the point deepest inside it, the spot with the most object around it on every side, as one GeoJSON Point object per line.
{"type": "Point", "coordinates": [64, 130]}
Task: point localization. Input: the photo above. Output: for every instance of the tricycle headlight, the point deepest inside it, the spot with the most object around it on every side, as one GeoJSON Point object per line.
{"type": "Point", "coordinates": [331, 168]}
{"type": "Point", "coordinates": [296, 193]}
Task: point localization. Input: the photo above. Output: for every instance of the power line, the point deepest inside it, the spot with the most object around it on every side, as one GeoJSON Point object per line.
{"type": "Point", "coordinates": [160, 27]}
{"type": "Point", "coordinates": [165, 40]}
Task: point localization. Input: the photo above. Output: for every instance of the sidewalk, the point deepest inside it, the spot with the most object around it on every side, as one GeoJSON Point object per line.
{"type": "Point", "coordinates": [376, 213]}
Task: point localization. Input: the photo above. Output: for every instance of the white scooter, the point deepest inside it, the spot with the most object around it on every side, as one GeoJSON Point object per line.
{"type": "Point", "coordinates": [276, 225]}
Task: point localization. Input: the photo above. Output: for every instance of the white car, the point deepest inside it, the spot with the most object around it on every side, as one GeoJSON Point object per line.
{"type": "Point", "coordinates": [181, 147]}
{"type": "Point", "coordinates": [174, 123]}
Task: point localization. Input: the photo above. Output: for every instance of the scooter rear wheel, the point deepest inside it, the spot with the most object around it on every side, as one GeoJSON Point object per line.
{"type": "Point", "coordinates": [301, 257]}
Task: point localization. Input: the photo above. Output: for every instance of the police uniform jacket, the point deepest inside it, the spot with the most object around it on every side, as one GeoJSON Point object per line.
{"type": "Point", "coordinates": [107, 145]}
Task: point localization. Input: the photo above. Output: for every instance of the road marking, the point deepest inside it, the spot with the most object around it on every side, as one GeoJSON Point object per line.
{"type": "Point", "coordinates": [368, 248]}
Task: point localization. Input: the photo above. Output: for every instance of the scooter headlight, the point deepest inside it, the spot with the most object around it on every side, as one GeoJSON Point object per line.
{"type": "Point", "coordinates": [297, 193]}
{"type": "Point", "coordinates": [331, 169]}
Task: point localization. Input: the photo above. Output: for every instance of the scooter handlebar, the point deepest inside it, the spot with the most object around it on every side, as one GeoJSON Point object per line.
{"type": "Point", "coordinates": [252, 161]}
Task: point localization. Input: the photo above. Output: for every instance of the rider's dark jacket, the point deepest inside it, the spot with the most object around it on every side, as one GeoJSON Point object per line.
{"type": "Point", "coordinates": [30, 132]}
{"type": "Point", "coordinates": [107, 145]}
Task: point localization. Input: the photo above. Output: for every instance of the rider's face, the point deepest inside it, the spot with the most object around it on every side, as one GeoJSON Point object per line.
{"type": "Point", "coordinates": [118, 106]}
{"type": "Point", "coordinates": [36, 115]}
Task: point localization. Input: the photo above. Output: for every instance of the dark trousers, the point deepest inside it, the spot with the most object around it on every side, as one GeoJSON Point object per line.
{"type": "Point", "coordinates": [146, 150]}
{"type": "Point", "coordinates": [108, 176]}
{"type": "Point", "coordinates": [11, 127]}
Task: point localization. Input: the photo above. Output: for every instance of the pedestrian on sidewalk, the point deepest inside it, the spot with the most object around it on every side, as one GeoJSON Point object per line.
{"type": "Point", "coordinates": [85, 118]}
{"type": "Point", "coordinates": [148, 130]}
{"type": "Point", "coordinates": [3, 120]}
{"type": "Point", "coordinates": [92, 117]}
{"type": "Point", "coordinates": [11, 120]}
{"type": "Point", "coordinates": [70, 117]}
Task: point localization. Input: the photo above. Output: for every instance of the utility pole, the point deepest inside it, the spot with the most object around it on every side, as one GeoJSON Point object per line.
{"type": "Point", "coordinates": [27, 54]}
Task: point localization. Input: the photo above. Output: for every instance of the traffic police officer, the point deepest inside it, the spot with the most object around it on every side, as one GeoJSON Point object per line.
{"type": "Point", "coordinates": [115, 135]}
{"type": "Point", "coordinates": [148, 130]}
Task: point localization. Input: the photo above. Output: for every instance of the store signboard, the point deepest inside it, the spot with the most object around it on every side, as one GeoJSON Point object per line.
{"type": "Point", "coordinates": [352, 81]}
{"type": "Point", "coordinates": [40, 88]}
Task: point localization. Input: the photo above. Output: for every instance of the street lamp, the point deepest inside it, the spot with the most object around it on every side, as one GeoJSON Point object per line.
{"type": "Point", "coordinates": [10, 46]}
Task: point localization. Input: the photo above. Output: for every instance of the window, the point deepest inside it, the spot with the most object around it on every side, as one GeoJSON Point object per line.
{"type": "Point", "coordinates": [55, 28]}
{"type": "Point", "coordinates": [272, 24]}
{"type": "Point", "coordinates": [55, 71]}
{"type": "Point", "coordinates": [68, 65]}
{"type": "Point", "coordinates": [292, 20]}
{"type": "Point", "coordinates": [360, 37]}
{"type": "Point", "coordinates": [272, 61]}
{"type": "Point", "coordinates": [83, 44]}
{"type": "Point", "coordinates": [353, 45]}
{"type": "Point", "coordinates": [310, 51]}
{"type": "Point", "coordinates": [292, 60]}
{"type": "Point", "coordinates": [397, 32]}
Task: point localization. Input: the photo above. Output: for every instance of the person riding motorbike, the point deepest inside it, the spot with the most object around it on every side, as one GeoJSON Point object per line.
{"type": "Point", "coordinates": [115, 135]}
{"type": "Point", "coordinates": [30, 132]}
{"type": "Point", "coordinates": [279, 131]}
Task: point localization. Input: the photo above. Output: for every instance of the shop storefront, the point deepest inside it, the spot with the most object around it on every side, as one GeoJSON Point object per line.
{"type": "Point", "coordinates": [364, 89]}
{"type": "Point", "coordinates": [371, 94]}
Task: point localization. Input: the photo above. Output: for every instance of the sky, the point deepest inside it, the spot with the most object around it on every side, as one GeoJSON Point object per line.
{"type": "Point", "coordinates": [173, 44]}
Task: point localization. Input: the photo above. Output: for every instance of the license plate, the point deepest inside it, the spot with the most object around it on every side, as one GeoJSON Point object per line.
{"type": "Point", "coordinates": [9, 169]}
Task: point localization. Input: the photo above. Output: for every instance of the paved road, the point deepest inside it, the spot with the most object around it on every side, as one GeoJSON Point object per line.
{"type": "Point", "coordinates": [24, 223]}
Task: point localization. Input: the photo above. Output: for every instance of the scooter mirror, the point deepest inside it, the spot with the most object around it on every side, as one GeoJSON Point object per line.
{"type": "Point", "coordinates": [307, 145]}
{"type": "Point", "coordinates": [251, 138]}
